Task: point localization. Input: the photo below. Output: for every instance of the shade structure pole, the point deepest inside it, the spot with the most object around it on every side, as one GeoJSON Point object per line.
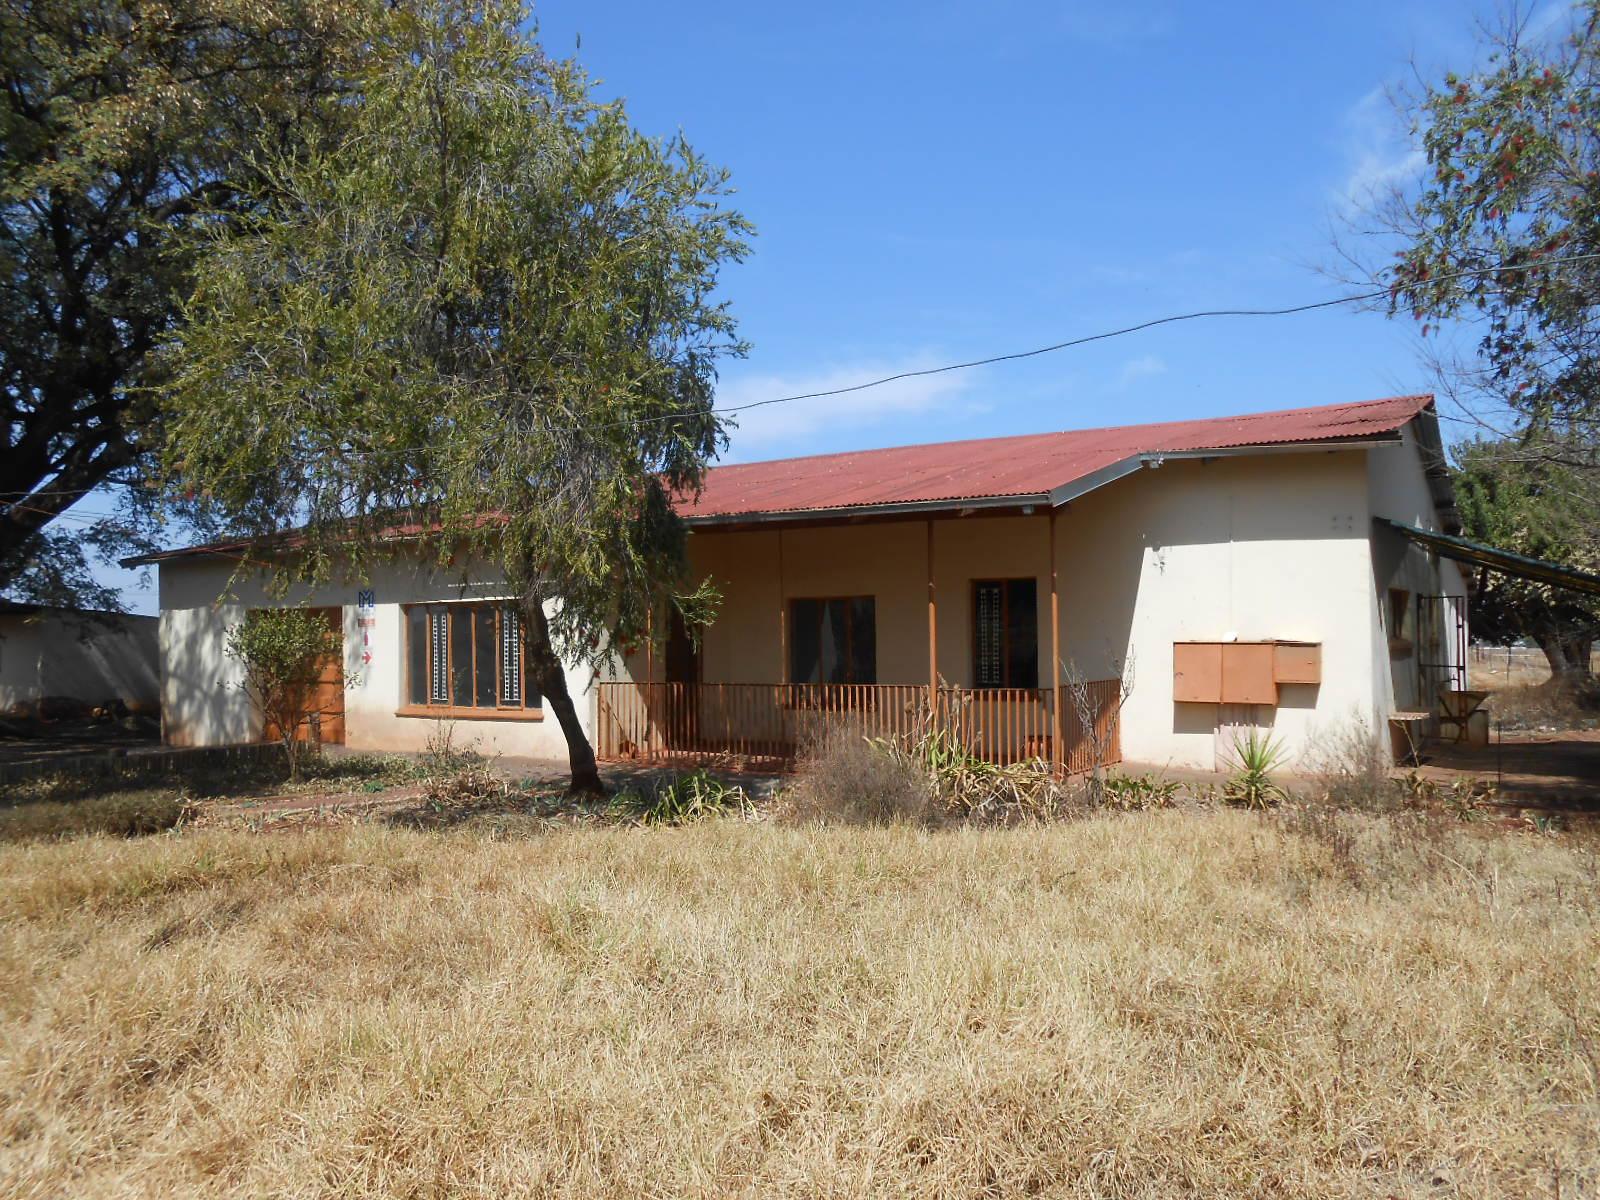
{"type": "Point", "coordinates": [1058, 749]}
{"type": "Point", "coordinates": [933, 634]}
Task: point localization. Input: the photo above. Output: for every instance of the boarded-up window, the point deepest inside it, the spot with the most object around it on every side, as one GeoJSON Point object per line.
{"type": "Point", "coordinates": [1005, 633]}
{"type": "Point", "coordinates": [466, 656]}
{"type": "Point", "coordinates": [833, 640]}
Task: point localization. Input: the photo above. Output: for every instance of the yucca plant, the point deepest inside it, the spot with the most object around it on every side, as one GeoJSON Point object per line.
{"type": "Point", "coordinates": [1256, 757]}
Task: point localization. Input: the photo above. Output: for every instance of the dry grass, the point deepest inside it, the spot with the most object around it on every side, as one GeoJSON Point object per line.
{"type": "Point", "coordinates": [1183, 1003]}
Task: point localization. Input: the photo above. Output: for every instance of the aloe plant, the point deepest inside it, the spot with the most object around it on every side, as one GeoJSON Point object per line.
{"type": "Point", "coordinates": [1256, 757]}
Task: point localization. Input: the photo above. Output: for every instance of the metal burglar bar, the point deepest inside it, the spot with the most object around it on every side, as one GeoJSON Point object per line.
{"type": "Point", "coordinates": [510, 657]}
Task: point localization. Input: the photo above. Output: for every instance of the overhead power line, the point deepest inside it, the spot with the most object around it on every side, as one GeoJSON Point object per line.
{"type": "Point", "coordinates": [1013, 356]}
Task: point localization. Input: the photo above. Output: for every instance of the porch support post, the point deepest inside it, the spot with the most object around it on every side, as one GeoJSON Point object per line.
{"type": "Point", "coordinates": [933, 633]}
{"type": "Point", "coordinates": [1058, 749]}
{"type": "Point", "coordinates": [649, 679]}
{"type": "Point", "coordinates": [783, 619]}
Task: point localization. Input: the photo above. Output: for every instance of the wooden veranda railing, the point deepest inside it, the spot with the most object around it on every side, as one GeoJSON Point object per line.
{"type": "Point", "coordinates": [769, 723]}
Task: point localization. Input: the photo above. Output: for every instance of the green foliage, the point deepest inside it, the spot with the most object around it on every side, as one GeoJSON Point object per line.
{"type": "Point", "coordinates": [1513, 181]}
{"type": "Point", "coordinates": [121, 120]}
{"type": "Point", "coordinates": [487, 308]}
{"type": "Point", "coordinates": [682, 798]}
{"type": "Point", "coordinates": [1133, 793]}
{"type": "Point", "coordinates": [1256, 757]}
{"type": "Point", "coordinates": [280, 652]}
{"type": "Point", "coordinates": [1511, 496]}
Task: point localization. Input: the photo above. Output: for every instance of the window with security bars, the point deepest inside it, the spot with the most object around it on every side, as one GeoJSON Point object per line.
{"type": "Point", "coordinates": [1005, 633]}
{"type": "Point", "coordinates": [467, 656]}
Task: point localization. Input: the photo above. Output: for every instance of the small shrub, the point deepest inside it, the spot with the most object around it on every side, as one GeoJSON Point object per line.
{"type": "Point", "coordinates": [685, 797]}
{"type": "Point", "coordinates": [1134, 793]}
{"type": "Point", "coordinates": [1350, 767]}
{"type": "Point", "coordinates": [1256, 757]}
{"type": "Point", "coordinates": [124, 814]}
{"type": "Point", "coordinates": [281, 652]}
{"type": "Point", "coordinates": [844, 779]}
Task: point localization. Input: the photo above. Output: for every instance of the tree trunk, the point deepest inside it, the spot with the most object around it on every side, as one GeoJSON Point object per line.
{"type": "Point", "coordinates": [546, 668]}
{"type": "Point", "coordinates": [1569, 654]}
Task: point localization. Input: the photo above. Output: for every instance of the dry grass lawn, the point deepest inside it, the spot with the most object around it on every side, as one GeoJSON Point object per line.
{"type": "Point", "coordinates": [1183, 1003]}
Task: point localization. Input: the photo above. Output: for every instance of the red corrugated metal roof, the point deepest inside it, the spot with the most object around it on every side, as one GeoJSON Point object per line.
{"type": "Point", "coordinates": [1027, 465]}
{"type": "Point", "coordinates": [985, 469]}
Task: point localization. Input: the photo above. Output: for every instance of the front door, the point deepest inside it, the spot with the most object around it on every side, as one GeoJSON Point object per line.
{"type": "Point", "coordinates": [683, 675]}
{"type": "Point", "coordinates": [325, 715]}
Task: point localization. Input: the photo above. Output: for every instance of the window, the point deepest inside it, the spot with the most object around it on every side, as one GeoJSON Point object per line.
{"type": "Point", "coordinates": [833, 640]}
{"type": "Point", "coordinates": [1005, 633]}
{"type": "Point", "coordinates": [466, 656]}
{"type": "Point", "coordinates": [1401, 625]}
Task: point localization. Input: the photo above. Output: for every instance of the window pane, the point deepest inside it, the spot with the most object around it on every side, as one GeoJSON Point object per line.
{"type": "Point", "coordinates": [461, 657]}
{"type": "Point", "coordinates": [863, 640]}
{"type": "Point", "coordinates": [510, 657]}
{"type": "Point", "coordinates": [439, 649]}
{"type": "Point", "coordinates": [1022, 634]}
{"type": "Point", "coordinates": [835, 614]}
{"type": "Point", "coordinates": [417, 647]}
{"type": "Point", "coordinates": [483, 656]}
{"type": "Point", "coordinates": [805, 647]}
{"type": "Point", "coordinates": [987, 611]}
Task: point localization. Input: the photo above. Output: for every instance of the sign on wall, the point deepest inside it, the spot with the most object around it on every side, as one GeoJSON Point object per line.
{"type": "Point", "coordinates": [366, 601]}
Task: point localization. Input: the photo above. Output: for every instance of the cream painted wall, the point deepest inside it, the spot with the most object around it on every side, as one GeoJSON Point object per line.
{"type": "Point", "coordinates": [1249, 549]}
{"type": "Point", "coordinates": [201, 703]}
{"type": "Point", "coordinates": [90, 659]}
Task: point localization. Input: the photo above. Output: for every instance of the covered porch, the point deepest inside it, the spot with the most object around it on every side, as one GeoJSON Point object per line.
{"type": "Point", "coordinates": [949, 622]}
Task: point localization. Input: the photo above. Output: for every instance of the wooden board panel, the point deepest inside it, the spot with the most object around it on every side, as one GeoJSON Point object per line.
{"type": "Point", "coordinates": [1247, 673]}
{"type": "Point", "coordinates": [1297, 662]}
{"type": "Point", "coordinates": [1197, 672]}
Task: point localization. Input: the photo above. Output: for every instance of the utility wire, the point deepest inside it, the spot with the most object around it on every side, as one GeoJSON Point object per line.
{"type": "Point", "coordinates": [1014, 356]}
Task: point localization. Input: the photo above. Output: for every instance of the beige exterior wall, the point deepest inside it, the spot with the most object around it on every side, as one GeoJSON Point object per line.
{"type": "Point", "coordinates": [202, 706]}
{"type": "Point", "coordinates": [92, 659]}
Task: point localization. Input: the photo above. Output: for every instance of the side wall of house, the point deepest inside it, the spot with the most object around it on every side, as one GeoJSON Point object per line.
{"type": "Point", "coordinates": [1398, 490]}
{"type": "Point", "coordinates": [1258, 548]}
{"type": "Point", "coordinates": [89, 658]}
{"type": "Point", "coordinates": [201, 704]}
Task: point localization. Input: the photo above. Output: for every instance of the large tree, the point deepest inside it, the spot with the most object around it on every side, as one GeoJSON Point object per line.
{"type": "Point", "coordinates": [1540, 505]}
{"type": "Point", "coordinates": [121, 123]}
{"type": "Point", "coordinates": [486, 312]}
{"type": "Point", "coordinates": [1499, 236]}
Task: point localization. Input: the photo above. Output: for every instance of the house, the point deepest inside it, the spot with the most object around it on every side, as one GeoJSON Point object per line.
{"type": "Point", "coordinates": [1146, 592]}
{"type": "Point", "coordinates": [75, 658]}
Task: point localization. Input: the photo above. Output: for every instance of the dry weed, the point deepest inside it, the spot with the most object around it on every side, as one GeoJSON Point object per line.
{"type": "Point", "coordinates": [1181, 1003]}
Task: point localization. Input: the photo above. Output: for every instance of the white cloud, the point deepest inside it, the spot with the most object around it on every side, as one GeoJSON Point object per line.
{"type": "Point", "coordinates": [796, 427]}
{"type": "Point", "coordinates": [1145, 367]}
{"type": "Point", "coordinates": [1381, 154]}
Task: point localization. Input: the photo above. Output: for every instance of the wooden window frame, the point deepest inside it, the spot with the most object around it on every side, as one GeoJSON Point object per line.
{"type": "Point", "coordinates": [850, 637]}
{"type": "Point", "coordinates": [1005, 633]}
{"type": "Point", "coordinates": [500, 711]}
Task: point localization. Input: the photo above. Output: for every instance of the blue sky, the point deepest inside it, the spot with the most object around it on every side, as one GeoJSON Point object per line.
{"type": "Point", "coordinates": [943, 181]}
